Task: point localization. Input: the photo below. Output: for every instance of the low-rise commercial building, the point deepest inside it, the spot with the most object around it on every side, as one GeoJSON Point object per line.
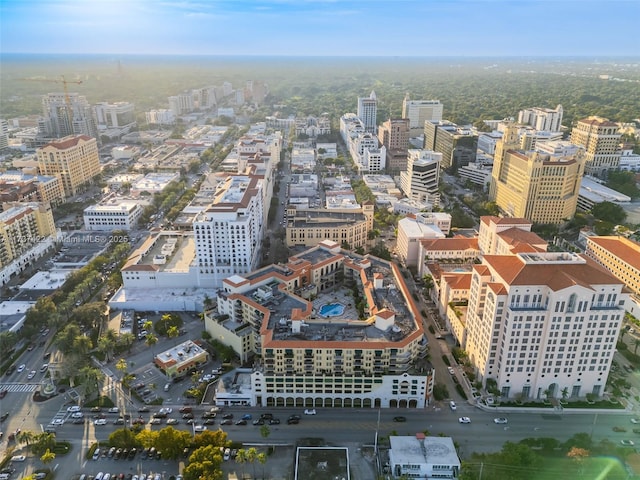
{"type": "Point", "coordinates": [423, 457]}
{"type": "Point", "coordinates": [112, 215]}
{"type": "Point", "coordinates": [182, 359]}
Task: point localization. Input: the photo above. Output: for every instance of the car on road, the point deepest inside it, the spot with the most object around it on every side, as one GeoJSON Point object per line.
{"type": "Point", "coordinates": [144, 409]}
{"type": "Point", "coordinates": [10, 370]}
{"type": "Point", "coordinates": [100, 421]}
{"type": "Point", "coordinates": [452, 405]}
{"type": "Point", "coordinates": [464, 420]}
{"type": "Point", "coordinates": [44, 367]}
{"type": "Point", "coordinates": [311, 411]}
{"type": "Point", "coordinates": [3, 392]}
{"type": "Point", "coordinates": [167, 410]}
{"type": "Point", "coordinates": [74, 408]}
{"type": "Point", "coordinates": [228, 421]}
{"type": "Point", "coordinates": [119, 421]}
{"type": "Point", "coordinates": [241, 422]}
{"type": "Point", "coordinates": [21, 368]}
{"type": "Point", "coordinates": [32, 374]}
{"type": "Point", "coordinates": [627, 443]}
{"type": "Point", "coordinates": [18, 458]}
{"type": "Point", "coordinates": [274, 421]}
{"type": "Point", "coordinates": [635, 420]}
{"type": "Point", "coordinates": [172, 421]}
{"type": "Point", "coordinates": [199, 428]}
{"type": "Point", "coordinates": [114, 410]}
{"type": "Point", "coordinates": [451, 370]}
{"type": "Point", "coordinates": [293, 421]}
{"type": "Point", "coordinates": [400, 419]}
{"type": "Point", "coordinates": [77, 415]}
{"type": "Point", "coordinates": [500, 420]}
{"type": "Point", "coordinates": [247, 416]}
{"type": "Point", "coordinates": [258, 421]}
{"type": "Point", "coordinates": [4, 416]}
{"type": "Point", "coordinates": [58, 421]}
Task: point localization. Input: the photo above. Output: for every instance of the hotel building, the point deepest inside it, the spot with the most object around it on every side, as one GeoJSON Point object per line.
{"type": "Point", "coordinates": [601, 141]}
{"type": "Point", "coordinates": [367, 112]}
{"type": "Point", "coordinates": [333, 329]}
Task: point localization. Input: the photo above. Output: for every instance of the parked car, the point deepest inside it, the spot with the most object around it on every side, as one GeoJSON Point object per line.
{"type": "Point", "coordinates": [247, 416]}
{"type": "Point", "coordinates": [311, 411]}
{"type": "Point", "coordinates": [100, 421]}
{"type": "Point", "coordinates": [274, 421]}
{"type": "Point", "coordinates": [399, 419]}
{"type": "Point", "coordinates": [74, 408]}
{"type": "Point", "coordinates": [241, 422]}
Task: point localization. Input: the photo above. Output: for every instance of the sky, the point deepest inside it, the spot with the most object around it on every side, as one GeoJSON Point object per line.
{"type": "Point", "coordinates": [468, 28]}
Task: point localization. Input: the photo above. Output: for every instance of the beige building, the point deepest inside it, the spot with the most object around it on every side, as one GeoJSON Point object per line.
{"type": "Point", "coordinates": [539, 187]}
{"type": "Point", "coordinates": [620, 256]}
{"type": "Point", "coordinates": [309, 227]}
{"type": "Point", "coordinates": [601, 141]}
{"type": "Point", "coordinates": [543, 325]}
{"type": "Point", "coordinates": [332, 328]}
{"type": "Point", "coordinates": [181, 360]}
{"type": "Point", "coordinates": [73, 159]}
{"type": "Point", "coordinates": [394, 135]}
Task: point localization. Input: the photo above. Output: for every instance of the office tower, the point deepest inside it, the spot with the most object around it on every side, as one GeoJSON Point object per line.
{"type": "Point", "coordinates": [4, 134]}
{"type": "Point", "coordinates": [228, 233]}
{"type": "Point", "coordinates": [119, 116]}
{"type": "Point", "coordinates": [543, 325]}
{"type": "Point", "coordinates": [367, 112]}
{"type": "Point", "coordinates": [542, 118]}
{"type": "Point", "coordinates": [601, 141]}
{"type": "Point", "coordinates": [420, 181]}
{"type": "Point", "coordinates": [73, 159]}
{"type": "Point", "coordinates": [394, 135]}
{"type": "Point", "coordinates": [420, 111]}
{"type": "Point", "coordinates": [58, 122]}
{"type": "Point", "coordinates": [540, 187]}
{"type": "Point", "coordinates": [458, 145]}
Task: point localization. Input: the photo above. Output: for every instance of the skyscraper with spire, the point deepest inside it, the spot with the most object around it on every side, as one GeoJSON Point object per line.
{"type": "Point", "coordinates": [367, 112]}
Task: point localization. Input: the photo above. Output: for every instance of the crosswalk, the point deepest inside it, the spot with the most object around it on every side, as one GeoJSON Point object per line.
{"type": "Point", "coordinates": [19, 387]}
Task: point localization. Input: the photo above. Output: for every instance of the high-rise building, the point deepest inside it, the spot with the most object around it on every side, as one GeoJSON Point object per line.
{"type": "Point", "coordinates": [367, 112]}
{"type": "Point", "coordinates": [394, 135]}
{"type": "Point", "coordinates": [120, 116]}
{"type": "Point", "coordinates": [58, 122]}
{"type": "Point", "coordinates": [228, 233]}
{"type": "Point", "coordinates": [458, 145]}
{"type": "Point", "coordinates": [73, 159]}
{"type": "Point", "coordinates": [4, 134]}
{"type": "Point", "coordinates": [537, 186]}
{"type": "Point", "coordinates": [181, 104]}
{"type": "Point", "coordinates": [420, 181]}
{"type": "Point", "coordinates": [420, 111]}
{"type": "Point", "coordinates": [543, 325]}
{"type": "Point", "coordinates": [542, 118]}
{"type": "Point", "coordinates": [601, 141]}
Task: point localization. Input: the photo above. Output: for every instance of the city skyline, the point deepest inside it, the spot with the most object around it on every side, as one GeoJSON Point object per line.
{"type": "Point", "coordinates": [468, 28]}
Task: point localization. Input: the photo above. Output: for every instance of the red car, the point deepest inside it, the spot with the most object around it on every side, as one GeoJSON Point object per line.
{"type": "Point", "coordinates": [3, 393]}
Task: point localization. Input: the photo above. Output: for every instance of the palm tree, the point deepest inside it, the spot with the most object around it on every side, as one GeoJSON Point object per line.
{"type": "Point", "coordinates": [151, 341]}
{"type": "Point", "coordinates": [91, 377]}
{"type": "Point", "coordinates": [241, 458]}
{"type": "Point", "coordinates": [173, 332]}
{"type": "Point", "coordinates": [26, 437]}
{"type": "Point", "coordinates": [265, 431]}
{"type": "Point", "coordinates": [122, 366]}
{"type": "Point", "coordinates": [252, 454]}
{"type": "Point", "coordinates": [262, 458]}
{"type": "Point", "coordinates": [48, 457]}
{"type": "Point", "coordinates": [107, 343]}
{"type": "Point", "coordinates": [636, 343]}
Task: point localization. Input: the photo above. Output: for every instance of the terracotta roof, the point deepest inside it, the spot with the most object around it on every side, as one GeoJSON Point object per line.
{"type": "Point", "coordinates": [67, 142]}
{"type": "Point", "coordinates": [523, 241]}
{"type": "Point", "coordinates": [456, 243]}
{"type": "Point", "coordinates": [489, 219]}
{"type": "Point", "coordinates": [623, 248]}
{"type": "Point", "coordinates": [557, 276]}
{"type": "Point", "coordinates": [458, 281]}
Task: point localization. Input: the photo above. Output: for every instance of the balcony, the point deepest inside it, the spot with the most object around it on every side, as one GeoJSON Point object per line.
{"type": "Point", "coordinates": [520, 307]}
{"type": "Point", "coordinates": [604, 306]}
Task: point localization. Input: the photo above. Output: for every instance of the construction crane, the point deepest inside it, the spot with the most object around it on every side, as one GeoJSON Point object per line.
{"type": "Point", "coordinates": [64, 83]}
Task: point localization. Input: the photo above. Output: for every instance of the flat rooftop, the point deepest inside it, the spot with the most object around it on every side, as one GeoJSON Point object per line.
{"type": "Point", "coordinates": [181, 353]}
{"type": "Point", "coordinates": [322, 218]}
{"type": "Point", "coordinates": [46, 280]}
{"type": "Point", "coordinates": [322, 463]}
{"type": "Point", "coordinates": [414, 451]}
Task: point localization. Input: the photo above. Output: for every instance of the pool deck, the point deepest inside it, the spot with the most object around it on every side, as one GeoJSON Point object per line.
{"type": "Point", "coordinates": [340, 296]}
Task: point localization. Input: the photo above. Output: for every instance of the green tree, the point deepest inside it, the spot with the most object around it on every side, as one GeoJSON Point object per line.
{"type": "Point", "coordinates": [204, 463]}
{"type": "Point", "coordinates": [43, 442]}
{"type": "Point", "coordinates": [122, 366]}
{"type": "Point", "coordinates": [26, 437]}
{"type": "Point", "coordinates": [147, 438]}
{"type": "Point", "coordinates": [151, 340]}
{"type": "Point", "coordinates": [107, 343]}
{"type": "Point", "coordinates": [48, 457]}
{"type": "Point", "coordinates": [252, 455]}
{"type": "Point", "coordinates": [262, 459]}
{"type": "Point", "coordinates": [173, 332]}
{"type": "Point", "coordinates": [265, 431]}
{"type": "Point", "coordinates": [609, 212]}
{"type": "Point", "coordinates": [241, 459]}
{"type": "Point", "coordinates": [172, 442]}
{"type": "Point", "coordinates": [125, 438]}
{"type": "Point", "coordinates": [91, 377]}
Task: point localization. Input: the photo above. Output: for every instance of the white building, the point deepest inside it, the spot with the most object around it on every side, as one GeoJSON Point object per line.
{"type": "Point", "coordinates": [487, 142]}
{"type": "Point", "coordinates": [326, 150]}
{"type": "Point", "coordinates": [181, 104]}
{"type": "Point", "coordinates": [413, 229]}
{"type": "Point", "coordinates": [476, 173]}
{"type": "Point", "coordinates": [420, 181]}
{"type": "Point", "coordinates": [303, 159]}
{"type": "Point", "coordinates": [113, 215]}
{"type": "Point", "coordinates": [423, 457]}
{"type": "Point", "coordinates": [160, 117]}
{"type": "Point", "coordinates": [229, 232]}
{"type": "Point", "coordinates": [629, 161]}
{"type": "Point", "coordinates": [368, 111]}
{"type": "Point", "coordinates": [543, 324]}
{"type": "Point", "coordinates": [592, 192]}
{"type": "Point", "coordinates": [120, 116]}
{"type": "Point", "coordinates": [420, 111]}
{"type": "Point", "coordinates": [542, 118]}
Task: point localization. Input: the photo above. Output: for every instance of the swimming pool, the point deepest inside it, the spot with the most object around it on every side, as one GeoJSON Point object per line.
{"type": "Point", "coordinates": [331, 310]}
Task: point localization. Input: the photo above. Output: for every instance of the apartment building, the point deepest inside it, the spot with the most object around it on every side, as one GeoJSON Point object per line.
{"type": "Point", "coordinates": [27, 232]}
{"type": "Point", "coordinates": [543, 325]}
{"type": "Point", "coordinates": [620, 256]}
{"type": "Point", "coordinates": [420, 111]}
{"type": "Point", "coordinates": [228, 233]}
{"type": "Point", "coordinates": [394, 135]}
{"type": "Point", "coordinates": [309, 226]}
{"type": "Point", "coordinates": [601, 141]}
{"type": "Point", "coordinates": [74, 160]}
{"type": "Point", "coordinates": [537, 186]}
{"type": "Point", "coordinates": [66, 114]}
{"type": "Point", "coordinates": [16, 186]}
{"type": "Point", "coordinates": [546, 119]}
{"type": "Point", "coordinates": [333, 329]}
{"type": "Point", "coordinates": [413, 229]}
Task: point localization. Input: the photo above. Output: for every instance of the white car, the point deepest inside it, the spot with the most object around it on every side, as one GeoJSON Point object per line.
{"type": "Point", "coordinates": [100, 421]}
{"type": "Point", "coordinates": [21, 368]}
{"type": "Point", "coordinates": [452, 405]}
{"type": "Point", "coordinates": [32, 374]}
{"type": "Point", "coordinates": [310, 412]}
{"type": "Point", "coordinates": [500, 420]}
{"type": "Point", "coordinates": [77, 415]}
{"type": "Point", "coordinates": [74, 408]}
{"type": "Point", "coordinates": [114, 410]}
{"type": "Point", "coordinates": [464, 420]}
{"type": "Point", "coordinates": [18, 458]}
{"type": "Point", "coordinates": [451, 370]}
{"type": "Point", "coordinates": [58, 421]}
{"type": "Point", "coordinates": [635, 420]}
{"type": "Point", "coordinates": [627, 443]}
{"type": "Point", "coordinates": [199, 428]}
{"type": "Point", "coordinates": [167, 410]}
